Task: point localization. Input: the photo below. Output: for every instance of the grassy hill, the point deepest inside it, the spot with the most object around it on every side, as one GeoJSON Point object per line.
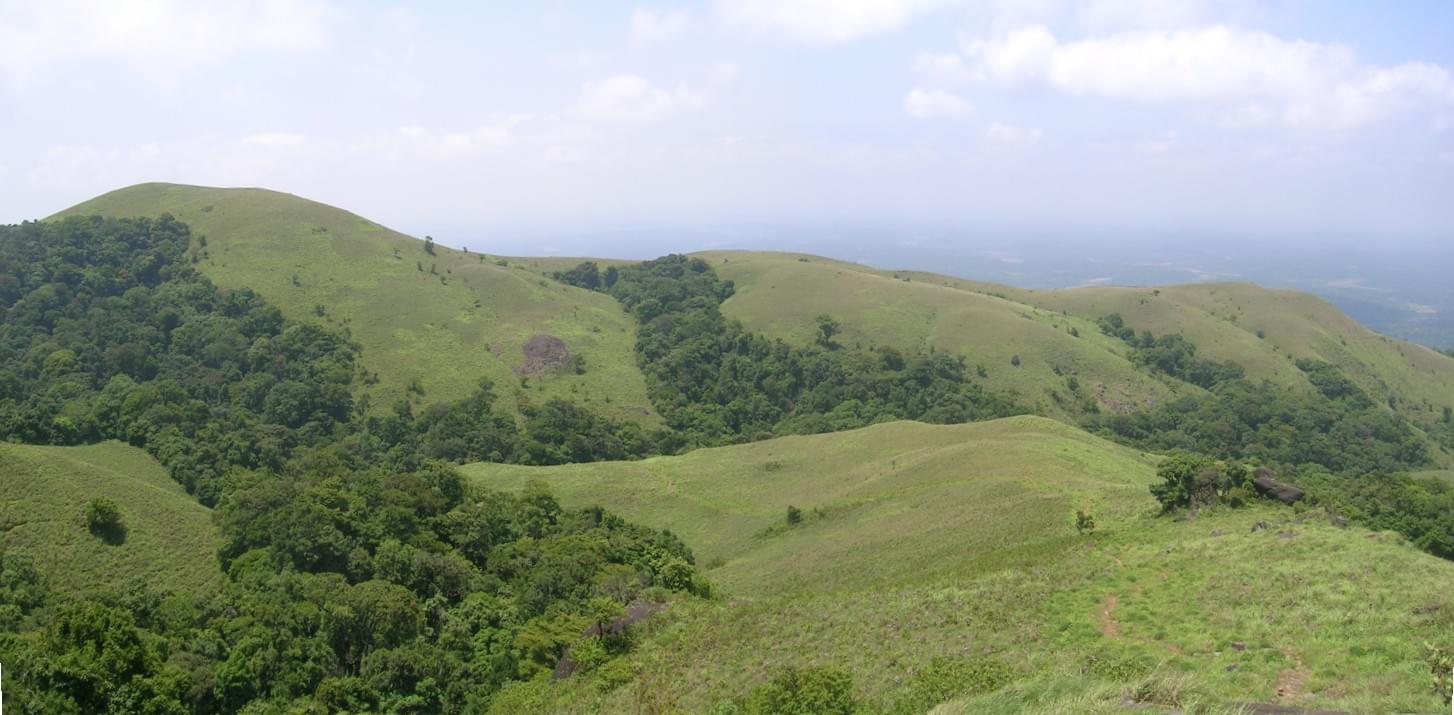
{"type": "Point", "coordinates": [781, 293]}
{"type": "Point", "coordinates": [1264, 330]}
{"type": "Point", "coordinates": [957, 541]}
{"type": "Point", "coordinates": [169, 542]}
{"type": "Point", "coordinates": [437, 322]}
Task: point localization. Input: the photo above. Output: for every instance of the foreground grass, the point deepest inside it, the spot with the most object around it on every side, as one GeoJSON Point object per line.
{"type": "Point", "coordinates": [923, 542]}
{"type": "Point", "coordinates": [438, 322]}
{"type": "Point", "coordinates": [169, 540]}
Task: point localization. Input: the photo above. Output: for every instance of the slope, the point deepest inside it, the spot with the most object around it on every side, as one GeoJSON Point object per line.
{"type": "Point", "coordinates": [431, 325]}
{"type": "Point", "coordinates": [781, 294]}
{"type": "Point", "coordinates": [169, 540]}
{"type": "Point", "coordinates": [1264, 330]}
{"type": "Point", "coordinates": [921, 542]}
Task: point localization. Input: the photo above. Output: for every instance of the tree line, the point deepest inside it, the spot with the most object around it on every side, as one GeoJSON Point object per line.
{"type": "Point", "coordinates": [716, 382]}
{"type": "Point", "coordinates": [1350, 454]}
{"type": "Point", "coordinates": [361, 572]}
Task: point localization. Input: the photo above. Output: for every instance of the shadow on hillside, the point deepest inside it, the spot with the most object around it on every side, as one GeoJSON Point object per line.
{"type": "Point", "coordinates": [115, 534]}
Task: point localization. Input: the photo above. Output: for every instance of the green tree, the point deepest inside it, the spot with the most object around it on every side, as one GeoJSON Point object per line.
{"type": "Point", "coordinates": [103, 516]}
{"type": "Point", "coordinates": [1187, 480]}
{"type": "Point", "coordinates": [827, 328]}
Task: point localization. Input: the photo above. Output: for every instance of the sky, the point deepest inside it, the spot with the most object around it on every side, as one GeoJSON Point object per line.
{"type": "Point", "coordinates": [475, 120]}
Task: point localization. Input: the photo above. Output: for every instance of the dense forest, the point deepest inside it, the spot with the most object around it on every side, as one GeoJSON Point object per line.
{"type": "Point", "coordinates": [1338, 427]}
{"type": "Point", "coordinates": [362, 573]}
{"type": "Point", "coordinates": [716, 382]}
{"type": "Point", "coordinates": [1335, 441]}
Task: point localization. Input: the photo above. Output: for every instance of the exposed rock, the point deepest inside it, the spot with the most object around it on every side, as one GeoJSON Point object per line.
{"type": "Point", "coordinates": [1239, 645]}
{"type": "Point", "coordinates": [1267, 486]}
{"type": "Point", "coordinates": [544, 353]}
{"type": "Point", "coordinates": [1259, 526]}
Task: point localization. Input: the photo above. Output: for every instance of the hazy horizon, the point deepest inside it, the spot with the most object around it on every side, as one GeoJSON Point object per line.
{"type": "Point", "coordinates": [1195, 118]}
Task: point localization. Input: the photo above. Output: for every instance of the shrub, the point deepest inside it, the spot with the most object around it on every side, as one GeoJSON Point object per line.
{"type": "Point", "coordinates": [804, 691]}
{"type": "Point", "coordinates": [795, 515]}
{"type": "Point", "coordinates": [948, 678]}
{"type": "Point", "coordinates": [102, 515]}
{"type": "Point", "coordinates": [1084, 522]}
{"type": "Point", "coordinates": [1441, 664]}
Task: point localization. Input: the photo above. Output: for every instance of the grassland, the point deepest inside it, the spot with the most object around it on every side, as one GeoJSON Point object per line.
{"type": "Point", "coordinates": [957, 541]}
{"type": "Point", "coordinates": [1263, 330]}
{"type": "Point", "coordinates": [169, 541]}
{"type": "Point", "coordinates": [440, 322]}
{"type": "Point", "coordinates": [780, 294]}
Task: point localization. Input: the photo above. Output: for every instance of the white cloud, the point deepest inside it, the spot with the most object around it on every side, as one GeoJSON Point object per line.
{"type": "Point", "coordinates": [154, 37]}
{"type": "Point", "coordinates": [72, 167]}
{"type": "Point", "coordinates": [935, 104]}
{"type": "Point", "coordinates": [281, 140]}
{"type": "Point", "coordinates": [824, 21]}
{"type": "Point", "coordinates": [1160, 144]}
{"type": "Point", "coordinates": [947, 67]}
{"type": "Point", "coordinates": [1011, 135]}
{"type": "Point", "coordinates": [629, 99]}
{"type": "Point", "coordinates": [579, 58]}
{"type": "Point", "coordinates": [1249, 78]}
{"type": "Point", "coordinates": [652, 26]}
{"type": "Point", "coordinates": [1103, 16]}
{"type": "Point", "coordinates": [1117, 15]}
{"type": "Point", "coordinates": [725, 72]}
{"type": "Point", "coordinates": [415, 142]}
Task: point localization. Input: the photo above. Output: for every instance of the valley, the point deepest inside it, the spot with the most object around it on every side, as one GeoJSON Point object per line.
{"type": "Point", "coordinates": [717, 443]}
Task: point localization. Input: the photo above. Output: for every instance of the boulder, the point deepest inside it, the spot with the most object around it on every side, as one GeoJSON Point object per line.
{"type": "Point", "coordinates": [1267, 486]}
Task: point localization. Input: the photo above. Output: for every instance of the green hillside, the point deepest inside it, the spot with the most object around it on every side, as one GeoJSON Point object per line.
{"type": "Point", "coordinates": [781, 293]}
{"type": "Point", "coordinates": [440, 322]}
{"type": "Point", "coordinates": [170, 542]}
{"type": "Point", "coordinates": [1263, 330]}
{"type": "Point", "coordinates": [921, 542]}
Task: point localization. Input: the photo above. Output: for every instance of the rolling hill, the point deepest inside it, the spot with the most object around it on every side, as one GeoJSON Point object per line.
{"type": "Point", "coordinates": [931, 544]}
{"type": "Point", "coordinates": [429, 323]}
{"type": "Point", "coordinates": [957, 542]}
{"type": "Point", "coordinates": [1263, 330]}
{"type": "Point", "coordinates": [170, 542]}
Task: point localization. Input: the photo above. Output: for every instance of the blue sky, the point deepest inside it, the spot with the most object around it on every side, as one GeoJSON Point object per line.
{"type": "Point", "coordinates": [1195, 117]}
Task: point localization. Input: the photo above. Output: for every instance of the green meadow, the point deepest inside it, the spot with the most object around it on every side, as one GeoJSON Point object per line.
{"type": "Point", "coordinates": [914, 554]}
{"type": "Point", "coordinates": [169, 541]}
{"type": "Point", "coordinates": [920, 542]}
{"type": "Point", "coordinates": [431, 325]}
{"type": "Point", "coordinates": [1054, 332]}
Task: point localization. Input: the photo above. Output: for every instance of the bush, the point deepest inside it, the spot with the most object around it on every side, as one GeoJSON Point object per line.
{"type": "Point", "coordinates": [103, 516]}
{"type": "Point", "coordinates": [804, 691]}
{"type": "Point", "coordinates": [948, 678]}
{"type": "Point", "coordinates": [1441, 664]}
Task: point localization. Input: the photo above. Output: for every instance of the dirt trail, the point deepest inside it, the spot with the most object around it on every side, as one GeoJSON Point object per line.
{"type": "Point", "coordinates": [1290, 680]}
{"type": "Point", "coordinates": [1109, 626]}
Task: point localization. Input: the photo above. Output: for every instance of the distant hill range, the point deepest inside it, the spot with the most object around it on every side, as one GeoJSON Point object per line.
{"type": "Point", "coordinates": [438, 322]}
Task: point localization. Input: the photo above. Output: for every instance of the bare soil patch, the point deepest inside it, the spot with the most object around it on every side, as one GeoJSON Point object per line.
{"type": "Point", "coordinates": [544, 353]}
